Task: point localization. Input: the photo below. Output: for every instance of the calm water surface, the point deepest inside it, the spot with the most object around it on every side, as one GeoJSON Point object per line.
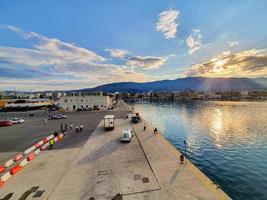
{"type": "Point", "coordinates": [227, 141]}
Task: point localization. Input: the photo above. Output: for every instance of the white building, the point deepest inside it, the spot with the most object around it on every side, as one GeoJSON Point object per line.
{"type": "Point", "coordinates": [244, 93]}
{"type": "Point", "coordinates": [87, 101]}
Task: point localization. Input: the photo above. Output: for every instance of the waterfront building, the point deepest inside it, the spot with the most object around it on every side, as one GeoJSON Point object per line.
{"type": "Point", "coordinates": [85, 101]}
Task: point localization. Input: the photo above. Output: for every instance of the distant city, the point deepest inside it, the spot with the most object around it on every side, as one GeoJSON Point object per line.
{"type": "Point", "coordinates": [253, 95]}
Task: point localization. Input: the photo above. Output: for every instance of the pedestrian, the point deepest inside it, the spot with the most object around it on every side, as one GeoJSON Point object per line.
{"type": "Point", "coordinates": [51, 144]}
{"type": "Point", "coordinates": [181, 158]}
{"type": "Point", "coordinates": [155, 131]}
{"type": "Point", "coordinates": [81, 127]}
{"type": "Point", "coordinates": [61, 127]}
{"type": "Point", "coordinates": [144, 126]}
{"type": "Point", "coordinates": [77, 129]}
{"type": "Point", "coordinates": [45, 121]}
{"type": "Point", "coordinates": [71, 126]}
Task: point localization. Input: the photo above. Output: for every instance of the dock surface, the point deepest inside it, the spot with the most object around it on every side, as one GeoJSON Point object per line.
{"type": "Point", "coordinates": [101, 167]}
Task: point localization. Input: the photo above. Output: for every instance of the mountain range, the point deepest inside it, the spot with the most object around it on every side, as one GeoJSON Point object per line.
{"type": "Point", "coordinates": [182, 84]}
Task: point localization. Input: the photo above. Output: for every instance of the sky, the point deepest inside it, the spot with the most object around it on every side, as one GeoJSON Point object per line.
{"type": "Point", "coordinates": [58, 45]}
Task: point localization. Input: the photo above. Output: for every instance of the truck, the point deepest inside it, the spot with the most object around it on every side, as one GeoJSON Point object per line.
{"type": "Point", "coordinates": [109, 122]}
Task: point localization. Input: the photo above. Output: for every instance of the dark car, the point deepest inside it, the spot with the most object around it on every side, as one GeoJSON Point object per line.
{"type": "Point", "coordinates": [58, 116]}
{"type": "Point", "coordinates": [6, 123]}
{"type": "Point", "coordinates": [135, 119]}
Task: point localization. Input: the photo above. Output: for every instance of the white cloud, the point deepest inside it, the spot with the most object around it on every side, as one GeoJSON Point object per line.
{"type": "Point", "coordinates": [117, 53]}
{"type": "Point", "coordinates": [146, 62]}
{"type": "Point", "coordinates": [66, 65]}
{"type": "Point", "coordinates": [194, 41]}
{"type": "Point", "coordinates": [233, 43]}
{"type": "Point", "coordinates": [54, 49]}
{"type": "Point", "coordinates": [167, 23]}
{"type": "Point", "coordinates": [249, 63]}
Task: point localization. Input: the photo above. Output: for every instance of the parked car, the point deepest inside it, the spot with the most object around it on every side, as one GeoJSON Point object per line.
{"type": "Point", "coordinates": [57, 116]}
{"type": "Point", "coordinates": [6, 123]}
{"type": "Point", "coordinates": [126, 135]}
{"type": "Point", "coordinates": [17, 120]}
{"type": "Point", "coordinates": [84, 109]}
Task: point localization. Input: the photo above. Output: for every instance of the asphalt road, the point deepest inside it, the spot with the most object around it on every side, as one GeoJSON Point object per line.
{"type": "Point", "coordinates": [18, 137]}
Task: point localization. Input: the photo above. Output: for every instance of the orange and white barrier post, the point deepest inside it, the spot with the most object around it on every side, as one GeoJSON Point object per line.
{"type": "Point", "coordinates": [37, 151]}
{"type": "Point", "coordinates": [30, 156]}
{"type": "Point", "coordinates": [18, 157]}
{"type": "Point", "coordinates": [15, 169]}
{"type": "Point", "coordinates": [2, 168]}
{"type": "Point", "coordinates": [27, 151]}
{"type": "Point", "coordinates": [23, 162]}
{"type": "Point", "coordinates": [9, 163]}
{"type": "Point", "coordinates": [5, 177]}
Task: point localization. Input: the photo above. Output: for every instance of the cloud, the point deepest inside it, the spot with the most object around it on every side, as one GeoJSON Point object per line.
{"type": "Point", "coordinates": [249, 63]}
{"type": "Point", "coordinates": [193, 41]}
{"type": "Point", "coordinates": [50, 63]}
{"type": "Point", "coordinates": [167, 23]}
{"type": "Point", "coordinates": [233, 43]}
{"type": "Point", "coordinates": [146, 62]}
{"type": "Point", "coordinates": [117, 53]}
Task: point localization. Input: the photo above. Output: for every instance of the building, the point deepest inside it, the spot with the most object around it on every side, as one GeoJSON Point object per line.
{"type": "Point", "coordinates": [85, 102]}
{"type": "Point", "coordinates": [26, 104]}
{"type": "Point", "coordinates": [2, 103]}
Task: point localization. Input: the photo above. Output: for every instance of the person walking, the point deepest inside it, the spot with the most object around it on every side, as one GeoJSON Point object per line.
{"type": "Point", "coordinates": [144, 126]}
{"type": "Point", "coordinates": [81, 127]}
{"type": "Point", "coordinates": [77, 129]}
{"type": "Point", "coordinates": [155, 131]}
{"type": "Point", "coordinates": [51, 144]}
{"type": "Point", "coordinates": [71, 125]}
{"type": "Point", "coordinates": [45, 121]}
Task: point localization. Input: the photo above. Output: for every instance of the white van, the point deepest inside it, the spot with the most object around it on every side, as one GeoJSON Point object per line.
{"type": "Point", "coordinates": [126, 135]}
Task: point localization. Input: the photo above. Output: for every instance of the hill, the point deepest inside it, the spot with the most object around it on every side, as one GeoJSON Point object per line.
{"type": "Point", "coordinates": [189, 83]}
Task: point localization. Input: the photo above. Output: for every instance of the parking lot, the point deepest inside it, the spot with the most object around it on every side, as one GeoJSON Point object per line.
{"type": "Point", "coordinates": [18, 137]}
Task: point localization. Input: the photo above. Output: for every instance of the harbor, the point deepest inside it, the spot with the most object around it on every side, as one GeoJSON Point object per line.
{"type": "Point", "coordinates": [94, 164]}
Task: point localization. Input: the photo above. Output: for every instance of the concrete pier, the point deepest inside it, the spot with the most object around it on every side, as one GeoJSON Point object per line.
{"type": "Point", "coordinates": [104, 168]}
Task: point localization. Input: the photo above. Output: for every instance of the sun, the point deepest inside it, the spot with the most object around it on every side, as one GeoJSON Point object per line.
{"type": "Point", "coordinates": [217, 68]}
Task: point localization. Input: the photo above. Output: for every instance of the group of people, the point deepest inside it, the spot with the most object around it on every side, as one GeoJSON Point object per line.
{"type": "Point", "coordinates": [78, 128]}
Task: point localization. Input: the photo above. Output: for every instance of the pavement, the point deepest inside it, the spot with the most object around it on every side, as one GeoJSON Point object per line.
{"type": "Point", "coordinates": [96, 165]}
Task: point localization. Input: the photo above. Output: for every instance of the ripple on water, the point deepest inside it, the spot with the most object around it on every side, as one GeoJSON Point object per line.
{"type": "Point", "coordinates": [226, 140]}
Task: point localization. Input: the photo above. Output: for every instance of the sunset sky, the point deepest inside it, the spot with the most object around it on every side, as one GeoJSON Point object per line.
{"type": "Point", "coordinates": [83, 43]}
